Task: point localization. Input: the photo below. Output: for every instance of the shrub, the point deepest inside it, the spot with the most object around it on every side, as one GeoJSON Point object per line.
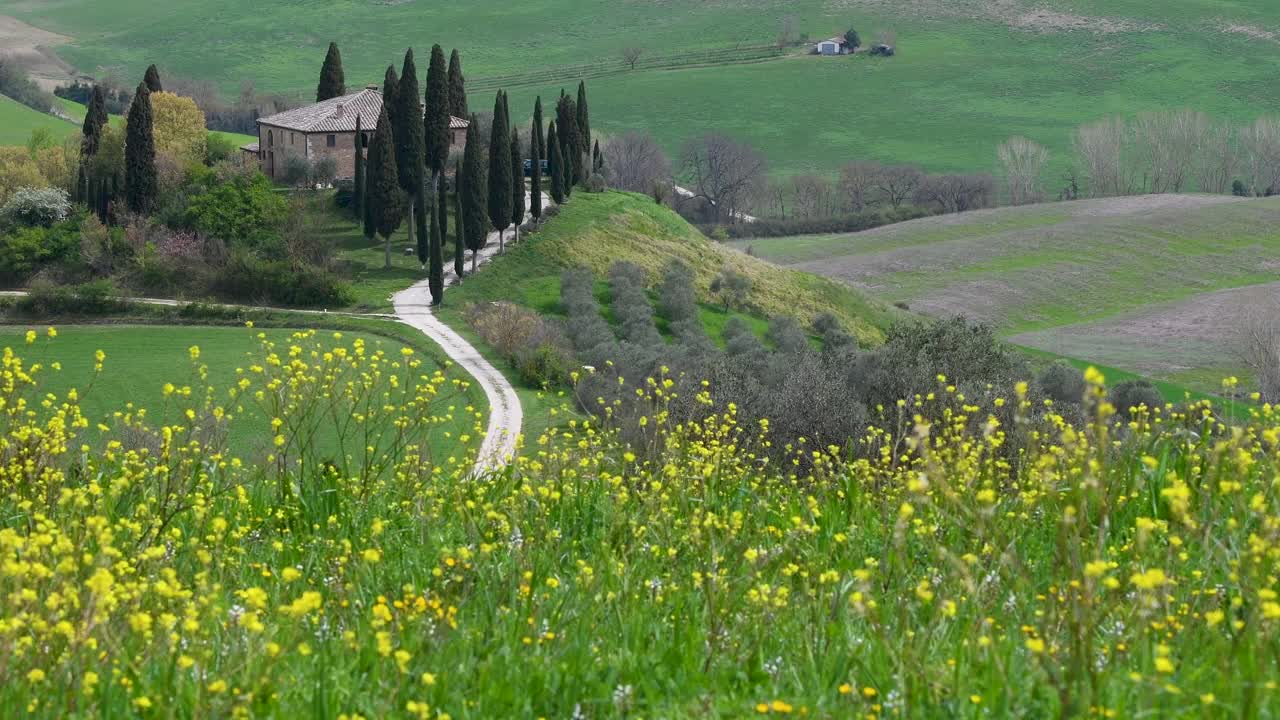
{"type": "Point", "coordinates": [732, 287]}
{"type": "Point", "coordinates": [36, 207]}
{"type": "Point", "coordinates": [246, 278]}
{"type": "Point", "coordinates": [631, 304]}
{"type": "Point", "coordinates": [242, 209]}
{"type": "Point", "coordinates": [28, 249]}
{"type": "Point", "coordinates": [1061, 383]}
{"type": "Point", "coordinates": [677, 299]}
{"type": "Point", "coordinates": [537, 348]}
{"type": "Point", "coordinates": [1129, 395]}
{"type": "Point", "coordinates": [98, 297]}
{"type": "Point", "coordinates": [596, 183]}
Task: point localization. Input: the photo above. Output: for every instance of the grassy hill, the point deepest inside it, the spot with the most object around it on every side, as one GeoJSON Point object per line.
{"type": "Point", "coordinates": [596, 230]}
{"type": "Point", "coordinates": [17, 121]}
{"type": "Point", "coordinates": [1149, 284]}
{"type": "Point", "coordinates": [969, 74]}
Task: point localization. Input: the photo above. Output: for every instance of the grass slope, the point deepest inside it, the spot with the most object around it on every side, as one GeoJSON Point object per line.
{"type": "Point", "coordinates": [1144, 284]}
{"type": "Point", "coordinates": [969, 74]}
{"type": "Point", "coordinates": [17, 122]}
{"type": "Point", "coordinates": [596, 230]}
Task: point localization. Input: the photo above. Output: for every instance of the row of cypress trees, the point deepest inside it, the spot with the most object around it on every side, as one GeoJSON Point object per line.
{"type": "Point", "coordinates": [99, 190]}
{"type": "Point", "coordinates": [401, 177]}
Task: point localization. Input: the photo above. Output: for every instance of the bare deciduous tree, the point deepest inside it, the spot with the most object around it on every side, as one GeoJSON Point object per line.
{"type": "Point", "coordinates": [1100, 151]}
{"type": "Point", "coordinates": [1166, 145]}
{"type": "Point", "coordinates": [723, 172]}
{"type": "Point", "coordinates": [1218, 160]}
{"type": "Point", "coordinates": [1258, 344]}
{"type": "Point", "coordinates": [1260, 152]}
{"type": "Point", "coordinates": [631, 55]}
{"type": "Point", "coordinates": [812, 196]}
{"type": "Point", "coordinates": [894, 184]}
{"type": "Point", "coordinates": [635, 161]}
{"type": "Point", "coordinates": [1024, 162]}
{"type": "Point", "coordinates": [858, 183]}
{"type": "Point", "coordinates": [956, 193]}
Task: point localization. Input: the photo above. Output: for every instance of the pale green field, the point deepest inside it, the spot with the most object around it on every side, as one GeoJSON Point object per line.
{"type": "Point", "coordinates": [1151, 284]}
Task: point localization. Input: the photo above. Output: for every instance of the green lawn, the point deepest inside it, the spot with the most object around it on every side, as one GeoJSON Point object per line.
{"type": "Point", "coordinates": [968, 75]}
{"type": "Point", "coordinates": [141, 360]}
{"type": "Point", "coordinates": [17, 122]}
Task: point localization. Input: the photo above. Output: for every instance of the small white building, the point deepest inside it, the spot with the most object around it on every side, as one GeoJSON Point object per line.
{"type": "Point", "coordinates": [832, 46]}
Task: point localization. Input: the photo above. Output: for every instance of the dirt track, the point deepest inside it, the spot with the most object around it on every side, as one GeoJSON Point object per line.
{"type": "Point", "coordinates": [33, 47]}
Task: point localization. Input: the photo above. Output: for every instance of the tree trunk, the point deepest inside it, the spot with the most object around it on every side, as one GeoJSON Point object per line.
{"type": "Point", "coordinates": [501, 247]}
{"type": "Point", "coordinates": [474, 253]}
{"type": "Point", "coordinates": [386, 254]}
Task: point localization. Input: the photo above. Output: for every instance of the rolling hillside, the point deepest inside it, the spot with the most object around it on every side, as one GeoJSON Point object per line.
{"type": "Point", "coordinates": [969, 73]}
{"type": "Point", "coordinates": [17, 121]}
{"type": "Point", "coordinates": [596, 230]}
{"type": "Point", "coordinates": [1151, 284]}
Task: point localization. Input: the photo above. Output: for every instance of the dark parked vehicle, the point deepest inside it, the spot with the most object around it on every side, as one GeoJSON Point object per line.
{"type": "Point", "coordinates": [528, 168]}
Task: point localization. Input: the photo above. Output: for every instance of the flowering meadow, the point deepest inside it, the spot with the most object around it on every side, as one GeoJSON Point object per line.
{"type": "Point", "coordinates": [947, 564]}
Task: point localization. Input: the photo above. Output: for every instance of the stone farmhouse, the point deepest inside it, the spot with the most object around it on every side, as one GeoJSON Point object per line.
{"type": "Point", "coordinates": [325, 129]}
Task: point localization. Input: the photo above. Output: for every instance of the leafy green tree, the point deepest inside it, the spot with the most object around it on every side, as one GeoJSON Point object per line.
{"type": "Point", "coordinates": [436, 119]}
{"type": "Point", "coordinates": [474, 192]}
{"type": "Point", "coordinates": [435, 260]}
{"type": "Point", "coordinates": [152, 79]}
{"type": "Point", "coordinates": [556, 163]}
{"type": "Point", "coordinates": [95, 118]}
{"type": "Point", "coordinates": [410, 147]}
{"type": "Point", "coordinates": [459, 237]}
{"type": "Point", "coordinates": [333, 82]}
{"type": "Point", "coordinates": [358, 205]}
{"type": "Point", "coordinates": [140, 154]}
{"type": "Point", "coordinates": [517, 183]}
{"type": "Point", "coordinates": [852, 40]}
{"type": "Point", "coordinates": [457, 88]}
{"type": "Point", "coordinates": [384, 193]}
{"type": "Point", "coordinates": [499, 204]}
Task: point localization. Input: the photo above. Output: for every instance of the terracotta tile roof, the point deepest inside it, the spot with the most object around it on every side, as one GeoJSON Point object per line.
{"type": "Point", "coordinates": [338, 114]}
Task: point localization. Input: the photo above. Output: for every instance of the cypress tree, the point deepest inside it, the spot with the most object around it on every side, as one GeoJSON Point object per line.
{"type": "Point", "coordinates": [95, 118]}
{"type": "Point", "coordinates": [570, 149]}
{"type": "Point", "coordinates": [435, 121]}
{"type": "Point", "coordinates": [474, 191]}
{"type": "Point", "coordinates": [358, 199]}
{"type": "Point", "coordinates": [406, 124]}
{"type": "Point", "coordinates": [333, 82]}
{"type": "Point", "coordinates": [152, 79]}
{"type": "Point", "coordinates": [457, 87]}
{"type": "Point", "coordinates": [557, 165]}
{"type": "Point", "coordinates": [539, 140]}
{"type": "Point", "coordinates": [535, 156]}
{"type": "Point", "coordinates": [384, 196]}
{"type": "Point", "coordinates": [499, 204]}
{"type": "Point", "coordinates": [517, 184]}
{"type": "Point", "coordinates": [597, 163]}
{"type": "Point", "coordinates": [459, 237]}
{"type": "Point", "coordinates": [442, 202]}
{"type": "Point", "coordinates": [390, 88]}
{"type": "Point", "coordinates": [435, 261]}
{"type": "Point", "coordinates": [425, 222]}
{"type": "Point", "coordinates": [584, 131]}
{"type": "Point", "coordinates": [140, 154]}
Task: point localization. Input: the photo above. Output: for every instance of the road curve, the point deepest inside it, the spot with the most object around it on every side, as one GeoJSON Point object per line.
{"type": "Point", "coordinates": [413, 307]}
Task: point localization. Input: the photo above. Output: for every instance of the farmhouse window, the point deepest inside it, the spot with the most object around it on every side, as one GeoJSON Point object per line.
{"type": "Point", "coordinates": [331, 140]}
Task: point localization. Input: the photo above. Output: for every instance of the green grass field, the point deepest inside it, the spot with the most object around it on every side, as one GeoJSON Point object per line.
{"type": "Point", "coordinates": [141, 360]}
{"type": "Point", "coordinates": [18, 121]}
{"type": "Point", "coordinates": [968, 74]}
{"type": "Point", "coordinates": [1152, 284]}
